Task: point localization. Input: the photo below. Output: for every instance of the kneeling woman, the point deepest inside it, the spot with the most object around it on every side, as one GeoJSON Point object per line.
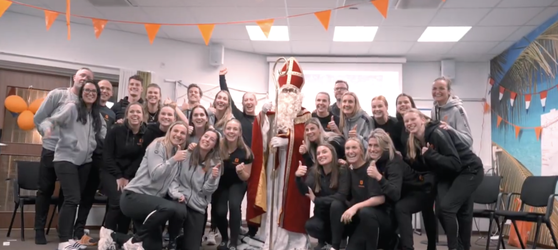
{"type": "Point", "coordinates": [367, 215]}
{"type": "Point", "coordinates": [404, 189]}
{"type": "Point", "coordinates": [143, 199]}
{"type": "Point", "coordinates": [194, 185]}
{"type": "Point", "coordinates": [327, 185]}
{"type": "Point", "coordinates": [459, 172]}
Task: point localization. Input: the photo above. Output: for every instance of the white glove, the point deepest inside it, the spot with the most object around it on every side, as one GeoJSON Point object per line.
{"type": "Point", "coordinates": [267, 107]}
{"type": "Point", "coordinates": [277, 142]}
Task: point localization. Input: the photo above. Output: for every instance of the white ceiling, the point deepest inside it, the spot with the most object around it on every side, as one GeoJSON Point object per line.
{"type": "Point", "coordinates": [497, 24]}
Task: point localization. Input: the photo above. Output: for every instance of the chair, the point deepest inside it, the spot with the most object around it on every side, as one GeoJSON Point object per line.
{"type": "Point", "coordinates": [537, 191]}
{"type": "Point", "coordinates": [27, 179]}
{"type": "Point", "coordinates": [488, 193]}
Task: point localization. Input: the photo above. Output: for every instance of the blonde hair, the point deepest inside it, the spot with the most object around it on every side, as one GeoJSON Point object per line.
{"type": "Point", "coordinates": [334, 180]}
{"type": "Point", "coordinates": [224, 147]}
{"type": "Point", "coordinates": [360, 145]}
{"type": "Point", "coordinates": [324, 137]}
{"type": "Point", "coordinates": [166, 140]}
{"type": "Point", "coordinates": [381, 98]}
{"type": "Point", "coordinates": [384, 141]}
{"type": "Point", "coordinates": [220, 124]}
{"type": "Point", "coordinates": [412, 143]}
{"type": "Point", "coordinates": [357, 109]}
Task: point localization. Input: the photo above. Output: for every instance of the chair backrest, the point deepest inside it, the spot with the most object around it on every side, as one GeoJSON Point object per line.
{"type": "Point", "coordinates": [487, 192]}
{"type": "Point", "coordinates": [28, 174]}
{"type": "Point", "coordinates": [536, 190]}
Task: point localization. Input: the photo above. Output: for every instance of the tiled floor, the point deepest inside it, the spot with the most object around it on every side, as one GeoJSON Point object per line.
{"type": "Point", "coordinates": [15, 242]}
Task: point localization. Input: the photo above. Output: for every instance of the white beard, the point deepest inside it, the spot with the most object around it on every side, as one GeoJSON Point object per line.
{"type": "Point", "coordinates": [289, 105]}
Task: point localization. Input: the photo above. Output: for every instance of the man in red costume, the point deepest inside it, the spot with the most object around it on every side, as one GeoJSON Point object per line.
{"type": "Point", "coordinates": [276, 137]}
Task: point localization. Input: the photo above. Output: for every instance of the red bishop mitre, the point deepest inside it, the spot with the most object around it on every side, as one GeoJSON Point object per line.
{"type": "Point", "coordinates": [291, 75]}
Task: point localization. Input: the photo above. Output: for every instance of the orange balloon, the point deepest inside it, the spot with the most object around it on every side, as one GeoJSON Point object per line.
{"type": "Point", "coordinates": [25, 120]}
{"type": "Point", "coordinates": [34, 106]}
{"type": "Point", "coordinates": [15, 103]}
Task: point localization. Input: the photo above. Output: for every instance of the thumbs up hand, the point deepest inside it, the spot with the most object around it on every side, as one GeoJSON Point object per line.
{"type": "Point", "coordinates": [240, 168]}
{"type": "Point", "coordinates": [184, 105]}
{"type": "Point", "coordinates": [373, 172]}
{"type": "Point", "coordinates": [332, 126]}
{"type": "Point", "coordinates": [424, 149]}
{"type": "Point", "coordinates": [301, 171]}
{"type": "Point", "coordinates": [303, 149]}
{"type": "Point", "coordinates": [223, 71]}
{"type": "Point", "coordinates": [211, 108]}
{"type": "Point", "coordinates": [215, 171]}
{"type": "Point", "coordinates": [353, 132]}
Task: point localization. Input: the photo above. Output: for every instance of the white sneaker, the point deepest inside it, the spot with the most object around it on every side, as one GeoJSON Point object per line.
{"type": "Point", "coordinates": [210, 238]}
{"type": "Point", "coordinates": [132, 246]}
{"type": "Point", "coordinates": [69, 245]}
{"type": "Point", "coordinates": [105, 240]}
{"type": "Point", "coordinates": [243, 231]}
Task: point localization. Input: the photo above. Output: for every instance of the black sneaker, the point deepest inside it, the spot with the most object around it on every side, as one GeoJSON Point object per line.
{"type": "Point", "coordinates": [223, 245]}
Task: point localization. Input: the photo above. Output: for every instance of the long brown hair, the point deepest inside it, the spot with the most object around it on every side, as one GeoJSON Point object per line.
{"type": "Point", "coordinates": [220, 124]}
{"type": "Point", "coordinates": [334, 165]}
{"type": "Point", "coordinates": [213, 154]}
{"type": "Point", "coordinates": [412, 143]}
{"type": "Point", "coordinates": [206, 127]}
{"type": "Point", "coordinates": [224, 146]}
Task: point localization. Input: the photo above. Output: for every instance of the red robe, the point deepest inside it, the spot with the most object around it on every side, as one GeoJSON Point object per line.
{"type": "Point", "coordinates": [296, 207]}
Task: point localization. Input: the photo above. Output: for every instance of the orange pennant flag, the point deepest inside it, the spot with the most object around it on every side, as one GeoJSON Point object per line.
{"type": "Point", "coordinates": [265, 25]}
{"type": "Point", "coordinates": [68, 17]}
{"type": "Point", "coordinates": [517, 130]}
{"type": "Point", "coordinates": [382, 6]}
{"type": "Point", "coordinates": [98, 26]}
{"type": "Point", "coordinates": [50, 17]}
{"type": "Point", "coordinates": [323, 17]}
{"type": "Point", "coordinates": [498, 121]}
{"type": "Point", "coordinates": [538, 131]}
{"type": "Point", "coordinates": [152, 30]}
{"type": "Point", "coordinates": [206, 31]}
{"type": "Point", "coordinates": [4, 5]}
{"type": "Point", "coordinates": [486, 107]}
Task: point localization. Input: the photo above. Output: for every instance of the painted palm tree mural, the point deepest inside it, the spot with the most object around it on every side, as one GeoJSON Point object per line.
{"type": "Point", "coordinates": [524, 90]}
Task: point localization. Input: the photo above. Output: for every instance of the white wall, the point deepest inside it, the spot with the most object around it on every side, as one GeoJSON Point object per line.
{"type": "Point", "coordinates": [167, 59]}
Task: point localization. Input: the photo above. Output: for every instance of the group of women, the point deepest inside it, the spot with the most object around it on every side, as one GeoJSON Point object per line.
{"type": "Point", "coordinates": [164, 164]}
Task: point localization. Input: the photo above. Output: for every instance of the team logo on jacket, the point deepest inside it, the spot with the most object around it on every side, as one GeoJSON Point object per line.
{"type": "Point", "coordinates": [236, 160]}
{"type": "Point", "coordinates": [106, 118]}
{"type": "Point", "coordinates": [140, 142]}
{"type": "Point", "coordinates": [361, 183]}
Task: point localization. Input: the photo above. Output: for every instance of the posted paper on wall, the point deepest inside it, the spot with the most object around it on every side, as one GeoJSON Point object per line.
{"type": "Point", "coordinates": [549, 143]}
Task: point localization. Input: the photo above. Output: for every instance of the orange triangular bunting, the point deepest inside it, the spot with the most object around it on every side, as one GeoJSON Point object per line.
{"type": "Point", "coordinates": [68, 17]}
{"type": "Point", "coordinates": [266, 25]}
{"type": "Point", "coordinates": [498, 121]}
{"type": "Point", "coordinates": [517, 130]}
{"type": "Point", "coordinates": [152, 30]}
{"type": "Point", "coordinates": [50, 17]}
{"type": "Point", "coordinates": [538, 131]}
{"type": "Point", "coordinates": [4, 5]}
{"type": "Point", "coordinates": [486, 107]}
{"type": "Point", "coordinates": [382, 6]}
{"type": "Point", "coordinates": [323, 17]}
{"type": "Point", "coordinates": [206, 31]}
{"type": "Point", "coordinates": [98, 26]}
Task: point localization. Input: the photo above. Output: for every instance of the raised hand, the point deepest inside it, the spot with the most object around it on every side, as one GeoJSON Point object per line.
{"type": "Point", "coordinates": [332, 126]}
{"type": "Point", "coordinates": [240, 168]}
{"type": "Point", "coordinates": [211, 108]}
{"type": "Point", "coordinates": [301, 171]}
{"type": "Point", "coordinates": [303, 149]}
{"type": "Point", "coordinates": [424, 149]}
{"type": "Point", "coordinates": [353, 132]}
{"type": "Point", "coordinates": [180, 155]}
{"type": "Point", "coordinates": [184, 105]}
{"type": "Point", "coordinates": [372, 170]}
{"type": "Point", "coordinates": [215, 170]}
{"type": "Point", "coordinates": [190, 130]}
{"type": "Point", "coordinates": [223, 71]}
{"type": "Point", "coordinates": [192, 145]}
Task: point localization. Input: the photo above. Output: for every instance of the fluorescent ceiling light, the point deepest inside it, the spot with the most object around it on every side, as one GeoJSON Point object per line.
{"type": "Point", "coordinates": [444, 34]}
{"type": "Point", "coordinates": [354, 33]}
{"type": "Point", "coordinates": [277, 33]}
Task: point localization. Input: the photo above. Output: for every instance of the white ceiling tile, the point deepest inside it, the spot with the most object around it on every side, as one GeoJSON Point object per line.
{"type": "Point", "coordinates": [168, 3]}
{"type": "Point", "coordinates": [505, 17]}
{"type": "Point", "coordinates": [520, 33]}
{"type": "Point", "coordinates": [471, 4]}
{"type": "Point", "coordinates": [251, 3]}
{"type": "Point", "coordinates": [310, 47]}
{"type": "Point", "coordinates": [234, 14]}
{"type": "Point", "coordinates": [230, 31]}
{"type": "Point", "coordinates": [501, 47]}
{"type": "Point", "coordinates": [524, 3]}
{"type": "Point", "coordinates": [176, 15]}
{"type": "Point", "coordinates": [398, 34]}
{"type": "Point", "coordinates": [459, 17]}
{"type": "Point", "coordinates": [409, 17]}
{"type": "Point", "coordinates": [555, 3]}
{"type": "Point", "coordinates": [124, 14]}
{"type": "Point", "coordinates": [182, 32]}
{"type": "Point", "coordinates": [265, 47]}
{"type": "Point", "coordinates": [310, 33]}
{"type": "Point", "coordinates": [322, 4]}
{"type": "Point", "coordinates": [360, 17]}
{"type": "Point", "coordinates": [424, 57]}
{"type": "Point", "coordinates": [390, 48]}
{"type": "Point", "coordinates": [304, 17]}
{"type": "Point", "coordinates": [462, 48]}
{"type": "Point", "coordinates": [341, 48]}
{"type": "Point", "coordinates": [546, 14]}
{"type": "Point", "coordinates": [140, 29]}
{"type": "Point", "coordinates": [16, 8]}
{"type": "Point", "coordinates": [489, 34]}
{"type": "Point", "coordinates": [240, 45]}
{"type": "Point", "coordinates": [434, 48]}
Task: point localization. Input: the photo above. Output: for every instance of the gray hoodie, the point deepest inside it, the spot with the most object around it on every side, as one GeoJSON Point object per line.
{"type": "Point", "coordinates": [364, 126]}
{"type": "Point", "coordinates": [195, 185]}
{"type": "Point", "coordinates": [55, 99]}
{"type": "Point", "coordinates": [156, 171]}
{"type": "Point", "coordinates": [454, 115]}
{"type": "Point", "coordinates": [76, 141]}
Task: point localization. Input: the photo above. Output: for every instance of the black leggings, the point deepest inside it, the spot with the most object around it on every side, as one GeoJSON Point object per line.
{"type": "Point", "coordinates": [88, 196]}
{"type": "Point", "coordinates": [149, 213]}
{"type": "Point", "coordinates": [454, 207]}
{"type": "Point", "coordinates": [368, 226]}
{"type": "Point", "coordinates": [115, 220]}
{"type": "Point", "coordinates": [326, 225]}
{"type": "Point", "coordinates": [410, 203]}
{"type": "Point", "coordinates": [228, 200]}
{"type": "Point", "coordinates": [194, 227]}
